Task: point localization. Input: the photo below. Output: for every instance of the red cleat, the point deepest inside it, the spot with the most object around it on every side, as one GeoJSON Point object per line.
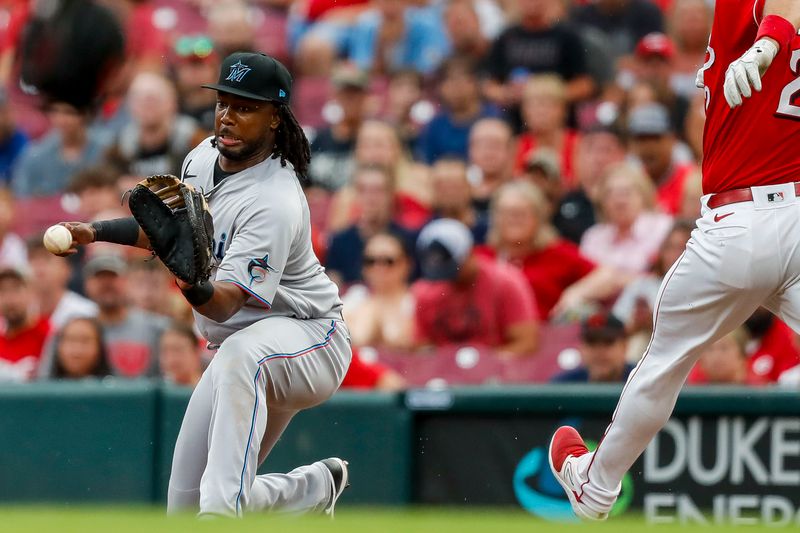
{"type": "Point", "coordinates": [565, 448]}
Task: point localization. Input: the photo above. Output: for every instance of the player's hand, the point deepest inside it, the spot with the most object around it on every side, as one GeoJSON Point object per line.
{"type": "Point", "coordinates": [747, 71]}
{"type": "Point", "coordinates": [82, 234]}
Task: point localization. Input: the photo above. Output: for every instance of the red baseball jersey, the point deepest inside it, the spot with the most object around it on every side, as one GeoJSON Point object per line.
{"type": "Point", "coordinates": [755, 143]}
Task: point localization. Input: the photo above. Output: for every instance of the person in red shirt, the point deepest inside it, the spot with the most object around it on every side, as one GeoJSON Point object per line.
{"type": "Point", "coordinates": [467, 299]}
{"type": "Point", "coordinates": [771, 350]}
{"type": "Point", "coordinates": [364, 375]}
{"type": "Point", "coordinates": [653, 142]}
{"type": "Point", "coordinates": [545, 110]}
{"type": "Point", "coordinates": [24, 334]}
{"type": "Point", "coordinates": [559, 276]}
{"type": "Point", "coordinates": [743, 254]}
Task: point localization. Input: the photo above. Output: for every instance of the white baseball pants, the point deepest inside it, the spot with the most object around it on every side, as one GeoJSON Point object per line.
{"type": "Point", "coordinates": [259, 378]}
{"type": "Point", "coordinates": [741, 256]}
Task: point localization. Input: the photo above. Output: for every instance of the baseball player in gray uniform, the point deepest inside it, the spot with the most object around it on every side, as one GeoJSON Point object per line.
{"type": "Point", "coordinates": [270, 308]}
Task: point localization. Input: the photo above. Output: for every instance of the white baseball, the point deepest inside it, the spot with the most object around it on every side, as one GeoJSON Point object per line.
{"type": "Point", "coordinates": [57, 239]}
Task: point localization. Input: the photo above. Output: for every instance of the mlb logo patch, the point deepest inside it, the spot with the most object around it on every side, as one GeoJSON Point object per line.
{"type": "Point", "coordinates": [775, 197]}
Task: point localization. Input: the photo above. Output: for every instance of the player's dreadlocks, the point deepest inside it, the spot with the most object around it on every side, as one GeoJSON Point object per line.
{"type": "Point", "coordinates": [291, 143]}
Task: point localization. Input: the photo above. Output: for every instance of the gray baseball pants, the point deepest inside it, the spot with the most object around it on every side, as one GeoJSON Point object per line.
{"type": "Point", "coordinates": [259, 378]}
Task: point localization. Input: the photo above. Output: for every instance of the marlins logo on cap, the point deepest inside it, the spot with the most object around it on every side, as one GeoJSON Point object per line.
{"type": "Point", "coordinates": [238, 72]}
{"type": "Point", "coordinates": [256, 76]}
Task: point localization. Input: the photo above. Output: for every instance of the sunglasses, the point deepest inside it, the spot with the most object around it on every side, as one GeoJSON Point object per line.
{"type": "Point", "coordinates": [380, 260]}
{"type": "Point", "coordinates": [199, 47]}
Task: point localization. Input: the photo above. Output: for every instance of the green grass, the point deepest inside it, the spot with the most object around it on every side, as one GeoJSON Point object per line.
{"type": "Point", "coordinates": [152, 520]}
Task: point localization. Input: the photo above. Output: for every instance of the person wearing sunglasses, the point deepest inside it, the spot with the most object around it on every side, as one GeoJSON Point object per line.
{"type": "Point", "coordinates": [380, 313]}
{"type": "Point", "coordinates": [195, 64]}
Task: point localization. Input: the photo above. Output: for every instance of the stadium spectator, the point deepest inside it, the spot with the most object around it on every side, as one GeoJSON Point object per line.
{"type": "Point", "coordinates": [542, 170]}
{"type": "Point", "coordinates": [12, 247]}
{"type": "Point", "coordinates": [375, 202]}
{"type": "Point", "coordinates": [371, 375]}
{"type": "Point", "coordinates": [539, 43]}
{"type": "Point", "coordinates": [97, 188]}
{"type": "Point", "coordinates": [332, 147]}
{"type": "Point", "coordinates": [653, 64]}
{"type": "Point", "coordinates": [771, 349]}
{"type": "Point", "coordinates": [393, 36]}
{"type": "Point", "coordinates": [319, 32]}
{"type": "Point", "coordinates": [599, 148]}
{"type": "Point", "coordinates": [452, 197]}
{"type": "Point", "coordinates": [378, 144]}
{"type": "Point", "coordinates": [467, 299]}
{"type": "Point", "coordinates": [131, 334]}
{"type": "Point", "coordinates": [12, 140]}
{"type": "Point", "coordinates": [689, 28]}
{"type": "Point", "coordinates": [603, 347]}
{"type": "Point", "coordinates": [653, 142]}
{"type": "Point", "coordinates": [557, 274]}
{"type": "Point", "coordinates": [180, 355]}
{"type": "Point", "coordinates": [692, 196]}
{"type": "Point", "coordinates": [45, 166]}
{"type": "Point", "coordinates": [447, 135]}
{"type": "Point", "coordinates": [53, 299]}
{"type": "Point", "coordinates": [774, 347]}
{"type": "Point", "coordinates": [545, 111]}
{"type": "Point", "coordinates": [231, 27]}
{"type": "Point", "coordinates": [463, 24]}
{"type": "Point", "coordinates": [725, 362]}
{"type": "Point", "coordinates": [196, 64]}
{"type": "Point", "coordinates": [22, 333]}
{"type": "Point", "coordinates": [623, 22]}
{"type": "Point", "coordinates": [158, 138]}
{"type": "Point", "coordinates": [406, 108]}
{"type": "Point", "coordinates": [631, 232]}
{"type": "Point", "coordinates": [491, 156]}
{"type": "Point", "coordinates": [693, 126]}
{"type": "Point", "coordinates": [635, 305]}
{"type": "Point", "coordinates": [380, 313]}
{"type": "Point", "coordinates": [152, 288]}
{"type": "Point", "coordinates": [80, 351]}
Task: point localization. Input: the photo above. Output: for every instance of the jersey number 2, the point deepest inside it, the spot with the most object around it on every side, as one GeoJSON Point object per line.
{"type": "Point", "coordinates": [785, 106]}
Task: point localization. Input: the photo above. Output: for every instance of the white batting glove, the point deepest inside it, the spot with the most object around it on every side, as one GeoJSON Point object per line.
{"type": "Point", "coordinates": [747, 71]}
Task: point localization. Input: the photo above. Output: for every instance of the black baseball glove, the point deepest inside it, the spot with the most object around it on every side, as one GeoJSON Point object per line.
{"type": "Point", "coordinates": [176, 219]}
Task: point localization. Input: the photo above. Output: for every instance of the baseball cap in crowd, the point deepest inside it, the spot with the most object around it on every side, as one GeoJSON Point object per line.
{"type": "Point", "coordinates": [350, 77]}
{"type": "Point", "coordinates": [655, 44]}
{"type": "Point", "coordinates": [602, 328]}
{"type": "Point", "coordinates": [8, 272]}
{"type": "Point", "coordinates": [649, 119]}
{"type": "Point", "coordinates": [105, 263]}
{"type": "Point", "coordinates": [256, 76]}
{"type": "Point", "coordinates": [442, 247]}
{"type": "Point", "coordinates": [544, 160]}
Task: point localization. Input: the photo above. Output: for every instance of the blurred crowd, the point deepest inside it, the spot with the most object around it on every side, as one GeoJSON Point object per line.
{"type": "Point", "coordinates": [485, 173]}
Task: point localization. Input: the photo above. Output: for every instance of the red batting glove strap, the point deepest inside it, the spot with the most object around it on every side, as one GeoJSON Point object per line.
{"type": "Point", "coordinates": [778, 28]}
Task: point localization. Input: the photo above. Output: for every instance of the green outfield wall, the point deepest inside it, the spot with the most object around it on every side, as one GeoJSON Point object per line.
{"type": "Point", "coordinates": [727, 455]}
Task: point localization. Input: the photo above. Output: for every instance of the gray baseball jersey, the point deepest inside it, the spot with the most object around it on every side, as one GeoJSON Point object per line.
{"type": "Point", "coordinates": [286, 350]}
{"type": "Point", "coordinates": [262, 243]}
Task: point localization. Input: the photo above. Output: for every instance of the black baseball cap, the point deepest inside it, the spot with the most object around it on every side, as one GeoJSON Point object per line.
{"type": "Point", "coordinates": [602, 328]}
{"type": "Point", "coordinates": [256, 76]}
